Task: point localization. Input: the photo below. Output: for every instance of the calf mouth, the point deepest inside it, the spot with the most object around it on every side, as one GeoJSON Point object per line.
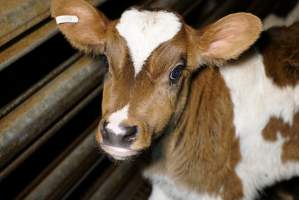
{"type": "Point", "coordinates": [119, 153]}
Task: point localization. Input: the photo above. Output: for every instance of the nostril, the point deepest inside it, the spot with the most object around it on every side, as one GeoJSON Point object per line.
{"type": "Point", "coordinates": [131, 133]}
{"type": "Point", "coordinates": [104, 130]}
{"type": "Point", "coordinates": [124, 136]}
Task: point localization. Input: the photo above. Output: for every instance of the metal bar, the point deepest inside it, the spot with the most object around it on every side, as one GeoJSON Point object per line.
{"type": "Point", "coordinates": [176, 5]}
{"type": "Point", "coordinates": [32, 40]}
{"type": "Point", "coordinates": [218, 10]}
{"type": "Point", "coordinates": [18, 16]}
{"type": "Point", "coordinates": [262, 8]}
{"type": "Point", "coordinates": [13, 104]}
{"type": "Point", "coordinates": [143, 192]}
{"type": "Point", "coordinates": [113, 184]}
{"type": "Point", "coordinates": [97, 2]}
{"type": "Point", "coordinates": [192, 7]}
{"type": "Point", "coordinates": [69, 148]}
{"type": "Point", "coordinates": [81, 179]}
{"type": "Point", "coordinates": [131, 188]}
{"type": "Point", "coordinates": [27, 44]}
{"type": "Point", "coordinates": [68, 171]}
{"type": "Point", "coordinates": [53, 130]}
{"type": "Point", "coordinates": [158, 4]}
{"type": "Point", "coordinates": [105, 174]}
{"type": "Point", "coordinates": [29, 120]}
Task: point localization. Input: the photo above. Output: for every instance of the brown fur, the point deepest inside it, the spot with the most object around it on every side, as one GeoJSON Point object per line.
{"type": "Point", "coordinates": [149, 93]}
{"type": "Point", "coordinates": [277, 127]}
{"type": "Point", "coordinates": [93, 23]}
{"type": "Point", "coordinates": [202, 152]}
{"type": "Point", "coordinates": [193, 118]}
{"type": "Point", "coordinates": [217, 153]}
{"type": "Point", "coordinates": [279, 47]}
{"type": "Point", "coordinates": [228, 37]}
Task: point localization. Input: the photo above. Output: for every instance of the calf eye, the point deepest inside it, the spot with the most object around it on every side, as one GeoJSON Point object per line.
{"type": "Point", "coordinates": [176, 73]}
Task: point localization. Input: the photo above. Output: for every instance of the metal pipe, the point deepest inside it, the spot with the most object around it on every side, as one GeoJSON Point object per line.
{"type": "Point", "coordinates": [263, 8]}
{"type": "Point", "coordinates": [109, 189]}
{"type": "Point", "coordinates": [53, 130]}
{"type": "Point", "coordinates": [213, 10]}
{"type": "Point", "coordinates": [192, 7]}
{"type": "Point", "coordinates": [219, 10]}
{"type": "Point", "coordinates": [27, 44]}
{"type": "Point", "coordinates": [18, 16]}
{"type": "Point", "coordinates": [170, 4]}
{"type": "Point", "coordinates": [67, 194]}
{"type": "Point", "coordinates": [33, 39]}
{"type": "Point", "coordinates": [13, 104]}
{"type": "Point", "coordinates": [132, 187]}
{"type": "Point", "coordinates": [106, 172]}
{"type": "Point", "coordinates": [68, 171]}
{"type": "Point", "coordinates": [176, 5]}
{"type": "Point", "coordinates": [29, 120]}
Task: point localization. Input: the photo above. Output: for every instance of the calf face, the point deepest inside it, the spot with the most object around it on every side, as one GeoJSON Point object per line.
{"type": "Point", "coordinates": [152, 58]}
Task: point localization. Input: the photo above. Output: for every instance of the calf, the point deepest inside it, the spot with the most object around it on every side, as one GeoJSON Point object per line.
{"type": "Point", "coordinates": [217, 129]}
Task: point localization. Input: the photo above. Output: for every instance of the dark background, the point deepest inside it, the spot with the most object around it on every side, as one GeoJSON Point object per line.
{"type": "Point", "coordinates": [54, 156]}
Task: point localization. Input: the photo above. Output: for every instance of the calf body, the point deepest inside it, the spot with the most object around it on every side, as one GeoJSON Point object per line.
{"type": "Point", "coordinates": [257, 116]}
{"type": "Point", "coordinates": [217, 129]}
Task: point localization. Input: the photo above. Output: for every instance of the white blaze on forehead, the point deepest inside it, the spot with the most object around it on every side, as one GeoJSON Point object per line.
{"type": "Point", "coordinates": [144, 31]}
{"type": "Point", "coordinates": [115, 120]}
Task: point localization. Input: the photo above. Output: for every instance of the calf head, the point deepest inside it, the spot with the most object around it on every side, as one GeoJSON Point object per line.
{"type": "Point", "coordinates": [152, 56]}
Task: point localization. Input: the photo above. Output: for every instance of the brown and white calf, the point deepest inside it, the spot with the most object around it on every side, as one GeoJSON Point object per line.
{"type": "Point", "coordinates": [218, 129]}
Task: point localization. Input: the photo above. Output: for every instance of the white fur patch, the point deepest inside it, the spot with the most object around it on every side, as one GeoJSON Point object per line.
{"type": "Point", "coordinates": [115, 120]}
{"type": "Point", "coordinates": [144, 31]}
{"type": "Point", "coordinates": [256, 99]}
{"type": "Point", "coordinates": [165, 189]}
{"type": "Point", "coordinates": [66, 19]}
{"type": "Point", "coordinates": [158, 194]}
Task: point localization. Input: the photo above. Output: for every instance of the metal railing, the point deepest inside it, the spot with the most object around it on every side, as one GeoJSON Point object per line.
{"type": "Point", "coordinates": [47, 145]}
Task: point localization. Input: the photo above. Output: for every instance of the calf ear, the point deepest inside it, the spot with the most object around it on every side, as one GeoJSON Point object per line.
{"type": "Point", "coordinates": [228, 37]}
{"type": "Point", "coordinates": [83, 25]}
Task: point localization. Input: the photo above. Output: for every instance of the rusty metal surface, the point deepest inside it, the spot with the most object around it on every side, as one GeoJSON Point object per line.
{"type": "Point", "coordinates": [30, 41]}
{"type": "Point", "coordinates": [27, 44]}
{"type": "Point", "coordinates": [171, 4]}
{"type": "Point", "coordinates": [111, 187]}
{"type": "Point", "coordinates": [177, 5]}
{"type": "Point", "coordinates": [217, 9]}
{"type": "Point", "coordinates": [136, 188]}
{"type": "Point", "coordinates": [45, 137]}
{"type": "Point", "coordinates": [19, 15]}
{"type": "Point", "coordinates": [261, 8]}
{"type": "Point", "coordinates": [68, 171]}
{"type": "Point", "coordinates": [51, 103]}
{"type": "Point", "coordinates": [192, 6]}
{"type": "Point", "coordinates": [13, 104]}
{"type": "Point", "coordinates": [100, 180]}
{"type": "Point", "coordinates": [26, 122]}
